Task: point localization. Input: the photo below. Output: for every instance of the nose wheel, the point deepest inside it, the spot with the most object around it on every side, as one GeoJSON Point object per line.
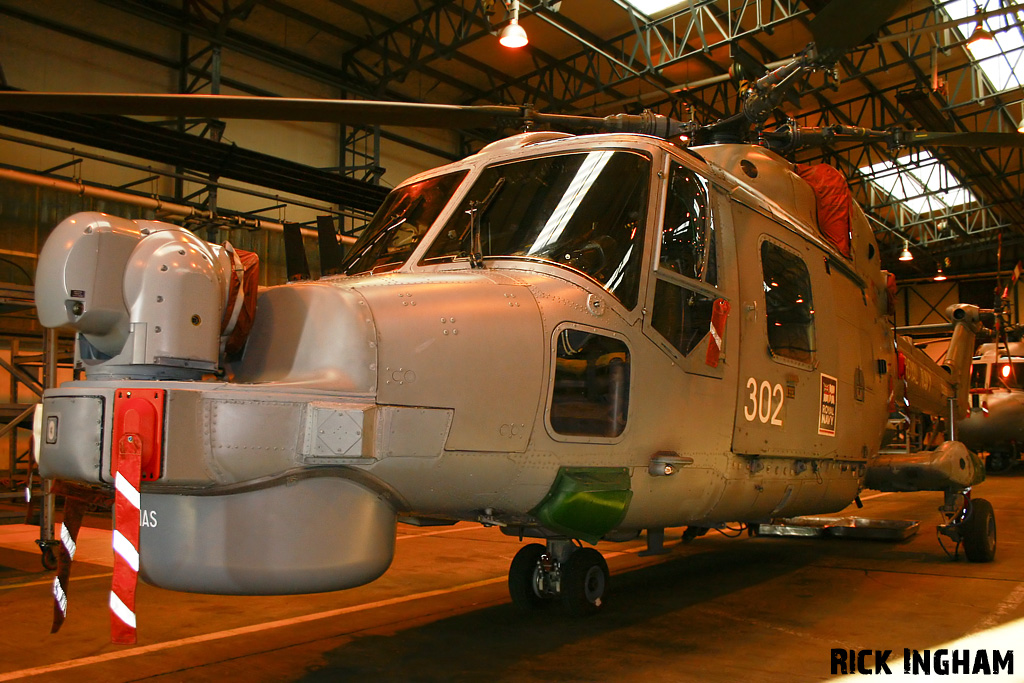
{"type": "Point", "coordinates": [584, 580]}
{"type": "Point", "coordinates": [574, 578]}
{"type": "Point", "coordinates": [527, 581]}
{"type": "Point", "coordinates": [978, 532]}
{"type": "Point", "coordinates": [972, 524]}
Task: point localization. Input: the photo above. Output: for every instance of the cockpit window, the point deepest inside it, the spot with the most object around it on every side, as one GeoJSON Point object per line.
{"type": "Point", "coordinates": [979, 373]}
{"type": "Point", "coordinates": [688, 234]}
{"type": "Point", "coordinates": [582, 210]}
{"type": "Point", "coordinates": [400, 223]}
{"type": "Point", "coordinates": [1008, 375]}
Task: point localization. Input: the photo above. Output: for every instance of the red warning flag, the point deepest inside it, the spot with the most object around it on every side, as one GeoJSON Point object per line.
{"type": "Point", "coordinates": [719, 315]}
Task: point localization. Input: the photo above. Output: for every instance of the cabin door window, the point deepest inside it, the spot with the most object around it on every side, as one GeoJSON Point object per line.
{"type": "Point", "coordinates": [789, 306]}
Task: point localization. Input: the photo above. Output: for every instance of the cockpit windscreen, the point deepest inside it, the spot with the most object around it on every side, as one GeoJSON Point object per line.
{"type": "Point", "coordinates": [583, 210]}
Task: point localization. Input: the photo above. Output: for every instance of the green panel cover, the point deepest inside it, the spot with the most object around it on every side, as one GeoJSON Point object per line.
{"type": "Point", "coordinates": [586, 502]}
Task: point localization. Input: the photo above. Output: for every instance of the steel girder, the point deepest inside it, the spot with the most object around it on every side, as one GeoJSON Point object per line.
{"type": "Point", "coordinates": [378, 56]}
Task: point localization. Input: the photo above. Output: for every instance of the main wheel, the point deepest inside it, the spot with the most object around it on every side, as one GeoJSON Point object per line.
{"type": "Point", "coordinates": [523, 575]}
{"type": "Point", "coordinates": [978, 532]}
{"type": "Point", "coordinates": [584, 581]}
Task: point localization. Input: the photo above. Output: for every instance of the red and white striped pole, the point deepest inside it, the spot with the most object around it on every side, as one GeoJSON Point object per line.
{"type": "Point", "coordinates": [76, 500]}
{"type": "Point", "coordinates": [127, 501]}
{"type": "Point", "coordinates": [74, 508]}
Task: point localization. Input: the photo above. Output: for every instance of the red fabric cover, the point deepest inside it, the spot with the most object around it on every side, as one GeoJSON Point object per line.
{"type": "Point", "coordinates": [832, 198]}
{"type": "Point", "coordinates": [251, 278]}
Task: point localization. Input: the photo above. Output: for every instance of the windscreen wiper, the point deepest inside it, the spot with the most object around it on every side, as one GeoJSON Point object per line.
{"type": "Point", "coordinates": [477, 210]}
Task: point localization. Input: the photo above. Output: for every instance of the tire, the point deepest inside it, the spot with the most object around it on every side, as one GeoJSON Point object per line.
{"type": "Point", "coordinates": [584, 582]}
{"type": "Point", "coordinates": [997, 462]}
{"type": "Point", "coordinates": [979, 532]}
{"type": "Point", "coordinates": [522, 578]}
{"type": "Point", "coordinates": [49, 558]}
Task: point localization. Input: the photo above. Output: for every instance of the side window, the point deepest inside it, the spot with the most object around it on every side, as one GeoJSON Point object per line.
{"type": "Point", "coordinates": [591, 384]}
{"type": "Point", "coordinates": [789, 306]}
{"type": "Point", "coordinates": [688, 235]}
{"type": "Point", "coordinates": [682, 316]}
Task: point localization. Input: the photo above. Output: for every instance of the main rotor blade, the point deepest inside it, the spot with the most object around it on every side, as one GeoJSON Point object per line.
{"type": "Point", "coordinates": [943, 139]}
{"type": "Point", "coordinates": [360, 112]}
{"type": "Point", "coordinates": [844, 24]}
{"type": "Point", "coordinates": [791, 138]}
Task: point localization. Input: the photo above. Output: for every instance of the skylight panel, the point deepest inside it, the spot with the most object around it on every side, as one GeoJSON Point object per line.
{"type": "Point", "coordinates": [652, 7]}
{"type": "Point", "coordinates": [1003, 62]}
{"type": "Point", "coordinates": [921, 182]}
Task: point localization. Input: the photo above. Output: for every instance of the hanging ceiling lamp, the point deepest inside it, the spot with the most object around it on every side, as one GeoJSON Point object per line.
{"type": "Point", "coordinates": [939, 276]}
{"type": "Point", "coordinates": [981, 41]}
{"type": "Point", "coordinates": [513, 35]}
{"type": "Point", "coordinates": [905, 255]}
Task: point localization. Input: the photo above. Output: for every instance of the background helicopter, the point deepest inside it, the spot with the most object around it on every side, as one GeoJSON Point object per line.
{"type": "Point", "coordinates": [992, 424]}
{"type": "Point", "coordinates": [585, 355]}
{"type": "Point", "coordinates": [997, 404]}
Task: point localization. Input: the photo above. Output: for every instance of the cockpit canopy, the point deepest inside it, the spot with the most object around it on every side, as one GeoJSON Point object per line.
{"type": "Point", "coordinates": [582, 210]}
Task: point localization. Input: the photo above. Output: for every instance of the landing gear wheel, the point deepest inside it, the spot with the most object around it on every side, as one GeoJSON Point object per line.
{"type": "Point", "coordinates": [584, 581]}
{"type": "Point", "coordinates": [997, 462]}
{"type": "Point", "coordinates": [523, 578]}
{"type": "Point", "coordinates": [49, 558]}
{"type": "Point", "coordinates": [978, 532]}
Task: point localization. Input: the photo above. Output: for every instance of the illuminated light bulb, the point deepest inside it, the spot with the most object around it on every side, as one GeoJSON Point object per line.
{"type": "Point", "coordinates": [981, 43]}
{"type": "Point", "coordinates": [905, 255]}
{"type": "Point", "coordinates": [514, 35]}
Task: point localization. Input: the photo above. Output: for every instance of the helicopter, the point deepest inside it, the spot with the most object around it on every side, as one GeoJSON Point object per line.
{"type": "Point", "coordinates": [992, 424]}
{"type": "Point", "coordinates": [624, 325]}
{"type": "Point", "coordinates": [997, 405]}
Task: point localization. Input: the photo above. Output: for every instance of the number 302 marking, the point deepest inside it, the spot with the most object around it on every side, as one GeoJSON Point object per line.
{"type": "Point", "coordinates": [762, 399]}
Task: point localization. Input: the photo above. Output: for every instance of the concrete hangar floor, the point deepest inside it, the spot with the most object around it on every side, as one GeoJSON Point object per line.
{"type": "Point", "coordinates": [717, 609]}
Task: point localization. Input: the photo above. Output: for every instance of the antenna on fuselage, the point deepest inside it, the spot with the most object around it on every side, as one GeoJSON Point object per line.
{"type": "Point", "coordinates": [295, 253]}
{"type": "Point", "coordinates": [331, 254]}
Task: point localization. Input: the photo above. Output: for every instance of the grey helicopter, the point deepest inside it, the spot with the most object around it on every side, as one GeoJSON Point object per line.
{"type": "Point", "coordinates": [593, 329]}
{"type": "Point", "coordinates": [995, 422]}
{"type": "Point", "coordinates": [992, 424]}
